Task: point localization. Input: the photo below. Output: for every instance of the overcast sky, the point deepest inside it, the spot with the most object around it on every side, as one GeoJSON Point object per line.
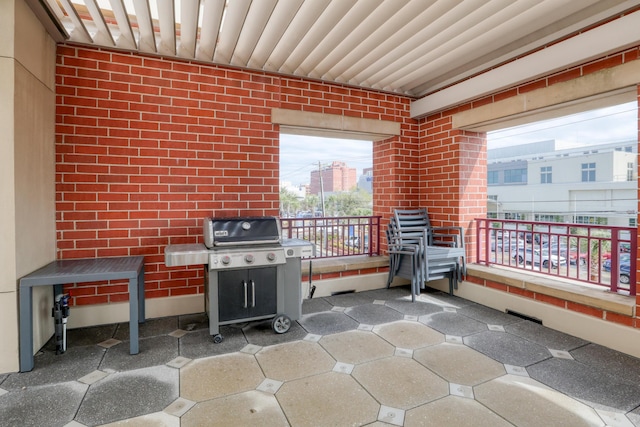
{"type": "Point", "coordinates": [299, 155]}
{"type": "Point", "coordinates": [602, 126]}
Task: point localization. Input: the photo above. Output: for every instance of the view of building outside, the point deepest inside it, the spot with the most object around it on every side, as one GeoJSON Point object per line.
{"type": "Point", "coordinates": [325, 176]}
{"type": "Point", "coordinates": [577, 169]}
{"type": "Point", "coordinates": [336, 177]}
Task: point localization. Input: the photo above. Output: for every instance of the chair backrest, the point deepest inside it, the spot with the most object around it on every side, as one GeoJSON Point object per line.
{"type": "Point", "coordinates": [414, 224]}
{"type": "Point", "coordinates": [411, 217]}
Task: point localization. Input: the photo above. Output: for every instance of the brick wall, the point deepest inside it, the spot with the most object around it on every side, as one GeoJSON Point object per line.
{"type": "Point", "coordinates": [147, 147]}
{"type": "Point", "coordinates": [455, 162]}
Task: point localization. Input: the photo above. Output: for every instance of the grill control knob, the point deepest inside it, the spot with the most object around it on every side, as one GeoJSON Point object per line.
{"type": "Point", "coordinates": [271, 256]}
{"type": "Point", "coordinates": [226, 260]}
{"type": "Point", "coordinates": [249, 258]}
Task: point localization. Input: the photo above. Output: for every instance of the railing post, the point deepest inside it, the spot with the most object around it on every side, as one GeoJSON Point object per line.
{"type": "Point", "coordinates": [615, 261]}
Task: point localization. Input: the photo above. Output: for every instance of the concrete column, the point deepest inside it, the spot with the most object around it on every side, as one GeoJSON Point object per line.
{"type": "Point", "coordinates": [27, 169]}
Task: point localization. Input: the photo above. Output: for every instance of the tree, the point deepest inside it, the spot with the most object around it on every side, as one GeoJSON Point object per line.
{"type": "Point", "coordinates": [352, 203]}
{"type": "Point", "coordinates": [289, 203]}
{"type": "Point", "coordinates": [311, 203]}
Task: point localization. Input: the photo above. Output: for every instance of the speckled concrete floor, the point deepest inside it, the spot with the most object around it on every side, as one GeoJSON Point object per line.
{"type": "Point", "coordinates": [372, 358]}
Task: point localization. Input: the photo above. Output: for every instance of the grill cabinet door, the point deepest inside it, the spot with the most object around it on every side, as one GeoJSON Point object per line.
{"type": "Point", "coordinates": [264, 282]}
{"type": "Point", "coordinates": [232, 294]}
{"type": "Point", "coordinates": [244, 294]}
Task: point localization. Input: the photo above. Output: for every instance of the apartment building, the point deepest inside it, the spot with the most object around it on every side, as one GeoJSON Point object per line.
{"type": "Point", "coordinates": [591, 185]}
{"type": "Point", "coordinates": [332, 178]}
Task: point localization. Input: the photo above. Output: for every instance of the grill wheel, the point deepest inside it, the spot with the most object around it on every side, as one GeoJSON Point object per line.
{"type": "Point", "coordinates": [281, 324]}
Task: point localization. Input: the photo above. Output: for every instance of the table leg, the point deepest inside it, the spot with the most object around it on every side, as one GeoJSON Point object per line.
{"type": "Point", "coordinates": [26, 328]}
{"type": "Point", "coordinates": [133, 316]}
{"type": "Point", "coordinates": [141, 312]}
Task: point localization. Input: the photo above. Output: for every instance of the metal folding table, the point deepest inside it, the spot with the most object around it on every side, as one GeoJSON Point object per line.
{"type": "Point", "coordinates": [60, 272]}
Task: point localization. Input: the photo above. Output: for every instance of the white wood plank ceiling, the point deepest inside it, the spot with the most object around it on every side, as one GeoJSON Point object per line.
{"type": "Point", "coordinates": [411, 47]}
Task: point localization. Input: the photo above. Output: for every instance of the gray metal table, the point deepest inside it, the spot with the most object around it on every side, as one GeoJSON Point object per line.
{"type": "Point", "coordinates": [60, 272]}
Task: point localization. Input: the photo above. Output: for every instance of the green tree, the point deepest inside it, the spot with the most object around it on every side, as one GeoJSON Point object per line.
{"type": "Point", "coordinates": [289, 203]}
{"type": "Point", "coordinates": [311, 203]}
{"type": "Point", "coordinates": [352, 203]}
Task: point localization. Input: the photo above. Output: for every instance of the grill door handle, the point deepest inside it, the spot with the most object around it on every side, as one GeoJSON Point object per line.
{"type": "Point", "coordinates": [253, 294]}
{"type": "Point", "coordinates": [245, 294]}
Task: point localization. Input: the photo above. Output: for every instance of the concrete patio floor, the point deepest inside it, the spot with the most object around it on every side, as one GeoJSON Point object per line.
{"type": "Point", "coordinates": [371, 358]}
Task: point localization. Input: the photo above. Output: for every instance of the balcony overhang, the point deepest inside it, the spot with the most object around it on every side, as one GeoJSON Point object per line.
{"type": "Point", "coordinates": [612, 37]}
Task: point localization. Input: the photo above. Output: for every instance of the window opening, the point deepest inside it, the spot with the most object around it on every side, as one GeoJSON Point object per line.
{"type": "Point", "coordinates": [325, 177]}
{"type": "Point", "coordinates": [570, 153]}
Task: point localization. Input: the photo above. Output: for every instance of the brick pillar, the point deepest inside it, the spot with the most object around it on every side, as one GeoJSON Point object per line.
{"type": "Point", "coordinates": [396, 176]}
{"type": "Point", "coordinates": [453, 179]}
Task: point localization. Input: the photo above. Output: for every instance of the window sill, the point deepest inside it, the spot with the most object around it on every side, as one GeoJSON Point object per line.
{"type": "Point", "coordinates": [338, 265]}
{"type": "Point", "coordinates": [562, 289]}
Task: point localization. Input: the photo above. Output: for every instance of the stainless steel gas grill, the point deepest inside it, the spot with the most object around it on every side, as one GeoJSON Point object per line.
{"type": "Point", "coordinates": [249, 272]}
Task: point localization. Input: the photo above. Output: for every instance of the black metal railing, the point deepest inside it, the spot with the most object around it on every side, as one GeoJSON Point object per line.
{"type": "Point", "coordinates": [336, 236]}
{"type": "Point", "coordinates": [595, 254]}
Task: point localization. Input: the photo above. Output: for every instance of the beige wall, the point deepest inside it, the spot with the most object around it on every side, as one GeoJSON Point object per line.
{"type": "Point", "coordinates": [27, 170]}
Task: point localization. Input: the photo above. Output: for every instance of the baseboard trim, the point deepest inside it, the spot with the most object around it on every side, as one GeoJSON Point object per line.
{"type": "Point", "coordinates": [103, 314]}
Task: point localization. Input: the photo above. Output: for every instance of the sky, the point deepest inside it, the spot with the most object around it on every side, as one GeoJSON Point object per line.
{"type": "Point", "coordinates": [605, 125]}
{"type": "Point", "coordinates": [301, 154]}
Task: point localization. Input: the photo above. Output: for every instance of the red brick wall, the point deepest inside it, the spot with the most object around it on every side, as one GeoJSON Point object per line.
{"type": "Point", "coordinates": [454, 163]}
{"type": "Point", "coordinates": [396, 173]}
{"type": "Point", "coordinates": [147, 147]}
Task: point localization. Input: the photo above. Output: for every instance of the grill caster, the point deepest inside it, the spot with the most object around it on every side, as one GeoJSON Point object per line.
{"type": "Point", "coordinates": [281, 324]}
{"type": "Point", "coordinates": [217, 338]}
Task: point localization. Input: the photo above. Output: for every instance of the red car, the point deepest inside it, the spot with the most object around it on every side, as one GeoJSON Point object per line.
{"type": "Point", "coordinates": [624, 248]}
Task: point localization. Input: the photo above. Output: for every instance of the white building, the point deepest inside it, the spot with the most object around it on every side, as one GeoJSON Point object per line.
{"type": "Point", "coordinates": [595, 184]}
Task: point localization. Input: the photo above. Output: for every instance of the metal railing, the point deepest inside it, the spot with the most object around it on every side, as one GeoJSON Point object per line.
{"type": "Point", "coordinates": [595, 254]}
{"type": "Point", "coordinates": [336, 236]}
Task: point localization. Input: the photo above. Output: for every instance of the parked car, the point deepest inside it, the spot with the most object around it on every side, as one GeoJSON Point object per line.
{"type": "Point", "coordinates": [539, 238]}
{"type": "Point", "coordinates": [353, 241]}
{"type": "Point", "coordinates": [625, 273]}
{"type": "Point", "coordinates": [536, 256]}
{"type": "Point", "coordinates": [572, 254]}
{"type": "Point", "coordinates": [624, 258]}
{"type": "Point", "coordinates": [624, 267]}
{"type": "Point", "coordinates": [507, 245]}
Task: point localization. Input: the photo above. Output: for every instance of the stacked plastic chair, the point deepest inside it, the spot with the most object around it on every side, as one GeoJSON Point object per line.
{"type": "Point", "coordinates": [421, 253]}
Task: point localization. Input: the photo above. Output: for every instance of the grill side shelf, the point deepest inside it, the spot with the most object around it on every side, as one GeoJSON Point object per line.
{"type": "Point", "coordinates": [189, 254]}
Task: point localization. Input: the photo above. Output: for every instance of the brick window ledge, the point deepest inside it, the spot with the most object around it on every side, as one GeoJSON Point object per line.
{"type": "Point", "coordinates": [536, 286]}
{"type": "Point", "coordinates": [551, 289]}
{"type": "Point", "coordinates": [325, 268]}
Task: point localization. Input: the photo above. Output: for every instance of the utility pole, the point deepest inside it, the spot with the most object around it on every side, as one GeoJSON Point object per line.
{"type": "Point", "coordinates": [321, 188]}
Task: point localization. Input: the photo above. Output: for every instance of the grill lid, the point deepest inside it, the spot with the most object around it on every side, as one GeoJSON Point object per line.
{"type": "Point", "coordinates": [241, 231]}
